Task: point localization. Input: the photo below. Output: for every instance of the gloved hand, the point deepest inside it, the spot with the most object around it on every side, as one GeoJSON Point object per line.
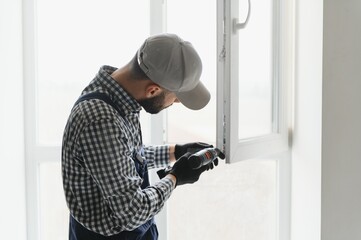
{"type": "Point", "coordinates": [181, 149]}
{"type": "Point", "coordinates": [183, 172]}
{"type": "Point", "coordinates": [212, 164]}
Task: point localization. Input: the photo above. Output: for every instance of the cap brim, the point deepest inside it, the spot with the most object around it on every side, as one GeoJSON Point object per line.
{"type": "Point", "coordinates": [195, 99]}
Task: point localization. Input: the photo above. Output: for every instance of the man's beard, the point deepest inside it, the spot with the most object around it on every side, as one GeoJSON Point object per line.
{"type": "Point", "coordinates": [153, 105]}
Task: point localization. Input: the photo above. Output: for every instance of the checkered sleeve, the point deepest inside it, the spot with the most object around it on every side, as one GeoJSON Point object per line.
{"type": "Point", "coordinates": [107, 157]}
{"type": "Point", "coordinates": [157, 156]}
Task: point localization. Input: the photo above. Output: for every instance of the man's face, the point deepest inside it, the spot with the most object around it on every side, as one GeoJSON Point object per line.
{"type": "Point", "coordinates": [158, 103]}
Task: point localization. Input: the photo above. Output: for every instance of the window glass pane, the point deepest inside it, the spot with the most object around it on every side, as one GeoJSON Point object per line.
{"type": "Point", "coordinates": [54, 214]}
{"type": "Point", "coordinates": [75, 38]}
{"type": "Point", "coordinates": [195, 21]}
{"type": "Point", "coordinates": [255, 70]}
{"type": "Point", "coordinates": [235, 201]}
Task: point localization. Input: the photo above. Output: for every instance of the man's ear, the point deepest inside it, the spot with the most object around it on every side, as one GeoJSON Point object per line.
{"type": "Point", "coordinates": [152, 90]}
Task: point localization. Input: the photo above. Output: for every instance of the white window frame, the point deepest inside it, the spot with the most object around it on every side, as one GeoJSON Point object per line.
{"type": "Point", "coordinates": [33, 152]}
{"type": "Point", "coordinates": [227, 84]}
{"type": "Point", "coordinates": [274, 146]}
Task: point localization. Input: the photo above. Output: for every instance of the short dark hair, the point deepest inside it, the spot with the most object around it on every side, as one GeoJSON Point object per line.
{"type": "Point", "coordinates": [135, 71]}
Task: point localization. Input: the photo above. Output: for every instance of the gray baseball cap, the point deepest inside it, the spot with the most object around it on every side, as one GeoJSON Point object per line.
{"type": "Point", "coordinates": [174, 64]}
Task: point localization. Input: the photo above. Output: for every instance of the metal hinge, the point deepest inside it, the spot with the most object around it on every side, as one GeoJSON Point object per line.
{"type": "Point", "coordinates": [224, 134]}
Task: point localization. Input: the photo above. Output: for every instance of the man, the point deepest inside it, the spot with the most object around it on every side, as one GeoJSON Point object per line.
{"type": "Point", "coordinates": [104, 162]}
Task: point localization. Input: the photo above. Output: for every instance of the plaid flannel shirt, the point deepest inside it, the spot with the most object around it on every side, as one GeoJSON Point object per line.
{"type": "Point", "coordinates": [101, 184]}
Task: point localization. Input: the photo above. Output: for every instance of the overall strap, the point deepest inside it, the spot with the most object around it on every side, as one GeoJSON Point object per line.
{"type": "Point", "coordinates": [101, 96]}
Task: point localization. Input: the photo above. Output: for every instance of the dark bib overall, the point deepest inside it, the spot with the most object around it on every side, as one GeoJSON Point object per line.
{"type": "Point", "coordinates": [147, 231]}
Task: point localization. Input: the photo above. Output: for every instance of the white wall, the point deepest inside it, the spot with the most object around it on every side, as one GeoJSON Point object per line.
{"type": "Point", "coordinates": [12, 169]}
{"type": "Point", "coordinates": [341, 121]}
{"type": "Point", "coordinates": [326, 164]}
{"type": "Point", "coordinates": [306, 153]}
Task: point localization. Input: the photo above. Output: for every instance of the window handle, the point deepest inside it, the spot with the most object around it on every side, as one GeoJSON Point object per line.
{"type": "Point", "coordinates": [236, 25]}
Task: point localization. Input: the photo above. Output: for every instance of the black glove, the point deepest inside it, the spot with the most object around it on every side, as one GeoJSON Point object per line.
{"type": "Point", "coordinates": [183, 171]}
{"type": "Point", "coordinates": [212, 164]}
{"type": "Point", "coordinates": [181, 149]}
